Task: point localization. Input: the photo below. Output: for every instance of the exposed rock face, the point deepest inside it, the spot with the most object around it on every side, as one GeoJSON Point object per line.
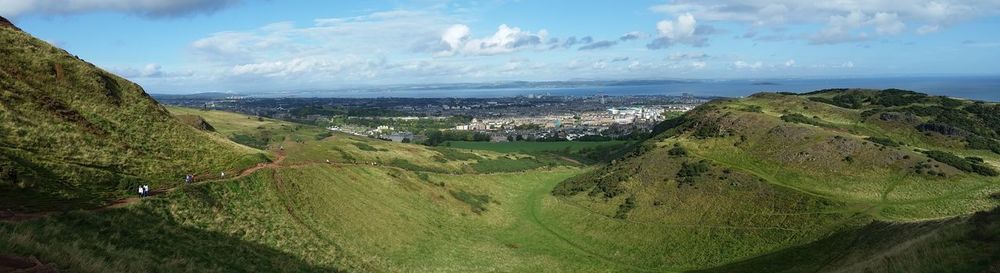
{"type": "Point", "coordinates": [197, 122]}
{"type": "Point", "coordinates": [5, 23]}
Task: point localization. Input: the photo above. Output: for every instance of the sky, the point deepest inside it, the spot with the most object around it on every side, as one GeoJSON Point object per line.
{"type": "Point", "coordinates": [189, 46]}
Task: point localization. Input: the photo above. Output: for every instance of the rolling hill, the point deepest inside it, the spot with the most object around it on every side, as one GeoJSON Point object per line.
{"type": "Point", "coordinates": [830, 167]}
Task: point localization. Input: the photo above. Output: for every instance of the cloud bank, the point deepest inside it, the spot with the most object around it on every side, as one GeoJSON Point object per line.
{"type": "Point", "coordinates": [146, 8]}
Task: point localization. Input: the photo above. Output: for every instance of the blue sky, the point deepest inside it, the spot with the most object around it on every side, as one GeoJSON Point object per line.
{"type": "Point", "coordinates": [186, 46]}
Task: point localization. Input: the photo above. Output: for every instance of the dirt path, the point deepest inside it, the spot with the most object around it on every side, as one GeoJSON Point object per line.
{"type": "Point", "coordinates": [124, 202]}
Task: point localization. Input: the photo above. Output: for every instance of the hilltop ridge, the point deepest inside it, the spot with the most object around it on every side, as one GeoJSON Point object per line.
{"type": "Point", "coordinates": [7, 24]}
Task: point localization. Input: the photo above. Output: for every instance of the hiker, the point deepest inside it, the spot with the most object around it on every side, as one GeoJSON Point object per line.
{"type": "Point", "coordinates": [142, 193]}
{"type": "Point", "coordinates": [145, 189]}
{"type": "Point", "coordinates": [223, 174]}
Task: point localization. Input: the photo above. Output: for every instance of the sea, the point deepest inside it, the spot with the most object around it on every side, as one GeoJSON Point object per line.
{"type": "Point", "coordinates": [985, 88]}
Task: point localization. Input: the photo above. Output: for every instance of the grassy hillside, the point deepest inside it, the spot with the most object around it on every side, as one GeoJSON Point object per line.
{"type": "Point", "coordinates": [805, 164]}
{"type": "Point", "coordinates": [962, 244]}
{"type": "Point", "coordinates": [73, 135]}
{"type": "Point", "coordinates": [680, 202]}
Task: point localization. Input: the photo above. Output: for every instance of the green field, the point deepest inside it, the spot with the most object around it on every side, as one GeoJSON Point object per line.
{"type": "Point", "coordinates": [530, 147]}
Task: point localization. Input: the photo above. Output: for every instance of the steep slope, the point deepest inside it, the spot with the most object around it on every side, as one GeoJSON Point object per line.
{"type": "Point", "coordinates": [73, 135]}
{"type": "Point", "coordinates": [799, 163]}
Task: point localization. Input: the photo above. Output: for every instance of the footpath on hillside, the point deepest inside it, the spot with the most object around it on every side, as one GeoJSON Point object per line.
{"type": "Point", "coordinates": [17, 216]}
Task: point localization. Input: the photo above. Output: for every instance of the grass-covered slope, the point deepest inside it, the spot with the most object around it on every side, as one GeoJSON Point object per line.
{"type": "Point", "coordinates": [967, 244]}
{"type": "Point", "coordinates": [339, 202]}
{"type": "Point", "coordinates": [803, 166]}
{"type": "Point", "coordinates": [73, 135]}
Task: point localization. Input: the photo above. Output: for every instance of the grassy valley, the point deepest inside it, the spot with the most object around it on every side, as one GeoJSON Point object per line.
{"type": "Point", "coordinates": [828, 181]}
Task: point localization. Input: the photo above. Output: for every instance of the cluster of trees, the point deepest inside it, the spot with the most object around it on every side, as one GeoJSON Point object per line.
{"type": "Point", "coordinates": [799, 118]}
{"type": "Point", "coordinates": [256, 141]}
{"type": "Point", "coordinates": [435, 138]}
{"type": "Point", "coordinates": [884, 141]}
{"type": "Point", "coordinates": [973, 165]}
{"type": "Point", "coordinates": [978, 122]}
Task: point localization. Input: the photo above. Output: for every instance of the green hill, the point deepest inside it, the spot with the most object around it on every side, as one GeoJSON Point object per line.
{"type": "Point", "coordinates": [811, 164]}
{"type": "Point", "coordinates": [75, 136]}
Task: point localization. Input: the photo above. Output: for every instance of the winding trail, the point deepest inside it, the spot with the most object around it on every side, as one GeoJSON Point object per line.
{"type": "Point", "coordinates": [124, 202]}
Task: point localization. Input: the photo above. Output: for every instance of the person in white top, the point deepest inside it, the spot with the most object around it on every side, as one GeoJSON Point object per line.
{"type": "Point", "coordinates": [141, 192]}
{"type": "Point", "coordinates": [145, 188]}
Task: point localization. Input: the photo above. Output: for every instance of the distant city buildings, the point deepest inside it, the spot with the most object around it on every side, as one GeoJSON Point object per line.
{"type": "Point", "coordinates": [527, 117]}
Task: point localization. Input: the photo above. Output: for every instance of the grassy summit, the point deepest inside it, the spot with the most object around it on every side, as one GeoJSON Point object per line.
{"type": "Point", "coordinates": [73, 135]}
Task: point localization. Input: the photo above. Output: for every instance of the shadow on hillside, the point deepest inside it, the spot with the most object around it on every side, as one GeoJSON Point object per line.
{"type": "Point", "coordinates": [963, 244]}
{"type": "Point", "coordinates": [128, 240]}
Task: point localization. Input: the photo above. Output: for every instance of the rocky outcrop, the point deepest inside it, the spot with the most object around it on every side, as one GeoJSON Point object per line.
{"type": "Point", "coordinates": [7, 24]}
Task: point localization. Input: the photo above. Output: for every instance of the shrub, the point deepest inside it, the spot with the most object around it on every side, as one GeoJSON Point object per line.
{"type": "Point", "coordinates": [477, 202]}
{"type": "Point", "coordinates": [323, 135]}
{"type": "Point", "coordinates": [963, 164]}
{"type": "Point", "coordinates": [625, 207]}
{"type": "Point", "coordinates": [884, 141]}
{"type": "Point", "coordinates": [693, 169]}
{"type": "Point", "coordinates": [799, 118]}
{"type": "Point", "coordinates": [368, 148]}
{"type": "Point", "coordinates": [454, 154]}
{"type": "Point", "coordinates": [677, 151]}
{"type": "Point", "coordinates": [258, 142]}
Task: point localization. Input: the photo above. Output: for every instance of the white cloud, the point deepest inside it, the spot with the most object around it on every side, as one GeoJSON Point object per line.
{"type": "Point", "coordinates": [684, 30]}
{"type": "Point", "coordinates": [505, 40]}
{"type": "Point", "coordinates": [698, 64]}
{"type": "Point", "coordinates": [845, 20]}
{"type": "Point", "coordinates": [888, 23]}
{"type": "Point", "coordinates": [845, 28]}
{"type": "Point", "coordinates": [148, 8]}
{"type": "Point", "coordinates": [790, 63]}
{"type": "Point", "coordinates": [746, 65]}
{"type": "Point", "coordinates": [633, 35]}
{"type": "Point", "coordinates": [687, 56]}
{"type": "Point", "coordinates": [455, 36]}
{"type": "Point", "coordinates": [928, 29]}
{"type": "Point", "coordinates": [151, 70]}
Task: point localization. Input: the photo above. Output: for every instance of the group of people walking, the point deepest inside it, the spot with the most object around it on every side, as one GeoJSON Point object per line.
{"type": "Point", "coordinates": [144, 191]}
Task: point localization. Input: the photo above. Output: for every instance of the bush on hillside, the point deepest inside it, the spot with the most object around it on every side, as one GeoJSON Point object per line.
{"type": "Point", "coordinates": [259, 142]}
{"type": "Point", "coordinates": [677, 150]}
{"type": "Point", "coordinates": [368, 148]}
{"type": "Point", "coordinates": [477, 202]}
{"type": "Point", "coordinates": [799, 118]}
{"type": "Point", "coordinates": [884, 141]}
{"type": "Point", "coordinates": [625, 207]}
{"type": "Point", "coordinates": [963, 164]}
{"type": "Point", "coordinates": [689, 169]}
{"type": "Point", "coordinates": [941, 128]}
